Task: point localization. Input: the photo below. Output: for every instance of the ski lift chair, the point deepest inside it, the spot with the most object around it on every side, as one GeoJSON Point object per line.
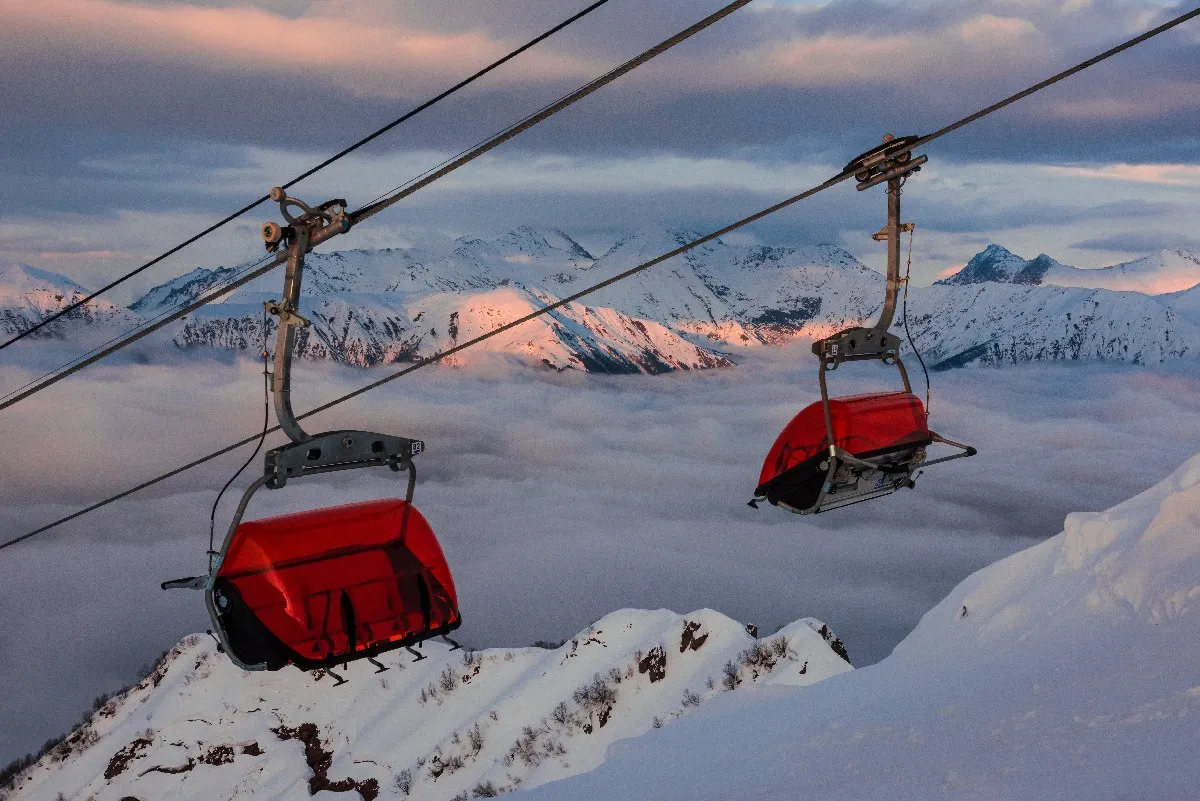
{"type": "Point", "coordinates": [327, 586]}
{"type": "Point", "coordinates": [840, 451]}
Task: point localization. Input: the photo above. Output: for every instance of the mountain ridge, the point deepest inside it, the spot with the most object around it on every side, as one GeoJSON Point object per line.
{"type": "Point", "coordinates": [373, 307]}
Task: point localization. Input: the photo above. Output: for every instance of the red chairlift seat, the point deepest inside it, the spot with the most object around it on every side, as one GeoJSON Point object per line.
{"type": "Point", "coordinates": [318, 588]}
{"type": "Point", "coordinates": [885, 433]}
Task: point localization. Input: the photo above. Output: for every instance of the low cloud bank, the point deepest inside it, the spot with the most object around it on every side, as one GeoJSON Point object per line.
{"type": "Point", "coordinates": [558, 498]}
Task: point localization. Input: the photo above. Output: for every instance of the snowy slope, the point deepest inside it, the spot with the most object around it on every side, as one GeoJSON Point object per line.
{"type": "Point", "coordinates": [691, 312]}
{"type": "Point", "coordinates": [996, 323]}
{"type": "Point", "coordinates": [1158, 273]}
{"type": "Point", "coordinates": [490, 721]}
{"type": "Point", "coordinates": [29, 294]}
{"type": "Point", "coordinates": [1070, 670]}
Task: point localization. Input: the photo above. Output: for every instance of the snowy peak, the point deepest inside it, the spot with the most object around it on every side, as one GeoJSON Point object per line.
{"type": "Point", "coordinates": [455, 724]}
{"type": "Point", "coordinates": [19, 280]}
{"type": "Point", "coordinates": [539, 244]}
{"type": "Point", "coordinates": [651, 242]}
{"type": "Point", "coordinates": [182, 290]}
{"type": "Point", "coordinates": [1157, 273]}
{"type": "Point", "coordinates": [993, 263]}
{"type": "Point", "coordinates": [29, 294]}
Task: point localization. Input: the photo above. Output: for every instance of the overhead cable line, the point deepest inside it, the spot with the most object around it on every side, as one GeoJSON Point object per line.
{"type": "Point", "coordinates": [837, 179]}
{"type": "Point", "coordinates": [374, 208]}
{"type": "Point", "coordinates": [307, 173]}
{"type": "Point", "coordinates": [238, 271]}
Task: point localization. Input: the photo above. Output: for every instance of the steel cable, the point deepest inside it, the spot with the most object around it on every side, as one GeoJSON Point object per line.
{"type": "Point", "coordinates": [374, 208]}
{"type": "Point", "coordinates": [307, 173]}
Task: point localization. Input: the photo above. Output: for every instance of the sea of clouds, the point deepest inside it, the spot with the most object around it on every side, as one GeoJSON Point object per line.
{"type": "Point", "coordinates": [558, 498]}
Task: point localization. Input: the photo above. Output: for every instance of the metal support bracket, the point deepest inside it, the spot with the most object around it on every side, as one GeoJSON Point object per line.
{"type": "Point", "coordinates": [338, 450]}
{"type": "Point", "coordinates": [856, 344]}
{"type": "Point", "coordinates": [891, 162]}
{"type": "Point", "coordinates": [286, 316]}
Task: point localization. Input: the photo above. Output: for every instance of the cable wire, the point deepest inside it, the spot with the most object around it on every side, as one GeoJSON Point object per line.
{"type": "Point", "coordinates": [212, 515]}
{"type": "Point", "coordinates": [374, 208]}
{"type": "Point", "coordinates": [904, 318]}
{"type": "Point", "coordinates": [837, 179]}
{"type": "Point", "coordinates": [307, 173]}
{"type": "Point", "coordinates": [103, 349]}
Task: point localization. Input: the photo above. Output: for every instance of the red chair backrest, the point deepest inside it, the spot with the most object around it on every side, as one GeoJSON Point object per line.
{"type": "Point", "coordinates": [862, 424]}
{"type": "Point", "coordinates": [336, 582]}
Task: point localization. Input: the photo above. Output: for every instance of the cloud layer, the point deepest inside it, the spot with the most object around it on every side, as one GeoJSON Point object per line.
{"type": "Point", "coordinates": [558, 498]}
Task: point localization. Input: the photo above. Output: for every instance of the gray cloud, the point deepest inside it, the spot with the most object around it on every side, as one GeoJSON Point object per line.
{"type": "Point", "coordinates": [558, 499]}
{"type": "Point", "coordinates": [1139, 241]}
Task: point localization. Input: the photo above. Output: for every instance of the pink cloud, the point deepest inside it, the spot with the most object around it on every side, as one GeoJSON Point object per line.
{"type": "Point", "coordinates": [1161, 174]}
{"type": "Point", "coordinates": [953, 270]}
{"type": "Point", "coordinates": [364, 57]}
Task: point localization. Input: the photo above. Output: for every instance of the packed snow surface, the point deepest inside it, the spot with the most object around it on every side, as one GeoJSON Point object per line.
{"type": "Point", "coordinates": [1070, 670]}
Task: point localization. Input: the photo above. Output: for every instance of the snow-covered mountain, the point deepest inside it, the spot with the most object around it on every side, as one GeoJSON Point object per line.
{"type": "Point", "coordinates": [1004, 323]}
{"type": "Point", "coordinates": [454, 725]}
{"type": "Point", "coordinates": [1070, 670]}
{"type": "Point", "coordinates": [29, 294]}
{"type": "Point", "coordinates": [693, 312]}
{"type": "Point", "coordinates": [1159, 273]}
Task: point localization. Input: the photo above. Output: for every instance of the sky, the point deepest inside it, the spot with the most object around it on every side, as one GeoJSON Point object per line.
{"type": "Point", "coordinates": [558, 498]}
{"type": "Point", "coordinates": [131, 124]}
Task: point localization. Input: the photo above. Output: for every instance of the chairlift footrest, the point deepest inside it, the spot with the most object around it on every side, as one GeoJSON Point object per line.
{"type": "Point", "coordinates": [189, 583]}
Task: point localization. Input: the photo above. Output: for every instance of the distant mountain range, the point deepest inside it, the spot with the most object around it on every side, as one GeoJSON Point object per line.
{"type": "Point", "coordinates": [694, 312]}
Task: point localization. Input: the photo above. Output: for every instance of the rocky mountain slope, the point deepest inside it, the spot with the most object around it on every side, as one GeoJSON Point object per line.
{"type": "Point", "coordinates": [456, 724]}
{"type": "Point", "coordinates": [694, 312]}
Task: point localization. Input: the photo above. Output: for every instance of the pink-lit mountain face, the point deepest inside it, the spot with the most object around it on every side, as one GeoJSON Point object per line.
{"type": "Point", "coordinates": [696, 311]}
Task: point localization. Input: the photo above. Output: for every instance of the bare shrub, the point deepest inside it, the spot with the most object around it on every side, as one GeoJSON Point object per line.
{"type": "Point", "coordinates": [485, 790]}
{"type": "Point", "coordinates": [475, 737]}
{"type": "Point", "coordinates": [448, 680]}
{"type": "Point", "coordinates": [526, 748]}
{"type": "Point", "coordinates": [730, 678]}
{"type": "Point", "coordinates": [597, 699]}
{"type": "Point", "coordinates": [562, 714]}
{"type": "Point", "coordinates": [690, 698]}
{"type": "Point", "coordinates": [403, 781]}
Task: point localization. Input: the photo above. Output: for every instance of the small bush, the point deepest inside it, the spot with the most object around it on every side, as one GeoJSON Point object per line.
{"type": "Point", "coordinates": [403, 782]}
{"type": "Point", "coordinates": [485, 790]}
{"type": "Point", "coordinates": [730, 678]}
{"type": "Point", "coordinates": [562, 714]}
{"type": "Point", "coordinates": [448, 680]}
{"type": "Point", "coordinates": [690, 698]}
{"type": "Point", "coordinates": [475, 737]}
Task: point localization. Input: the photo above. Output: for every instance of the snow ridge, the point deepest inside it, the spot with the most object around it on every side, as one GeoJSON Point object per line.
{"type": "Point", "coordinates": [479, 723]}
